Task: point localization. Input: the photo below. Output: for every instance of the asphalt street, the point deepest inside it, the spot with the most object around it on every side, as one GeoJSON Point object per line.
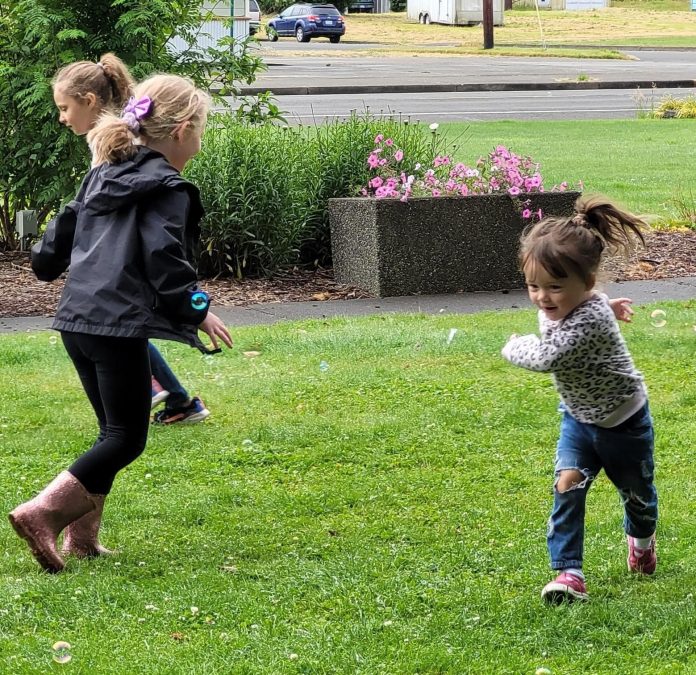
{"type": "Point", "coordinates": [312, 89]}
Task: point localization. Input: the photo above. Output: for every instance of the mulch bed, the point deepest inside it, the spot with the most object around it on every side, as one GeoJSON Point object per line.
{"type": "Point", "coordinates": [668, 254]}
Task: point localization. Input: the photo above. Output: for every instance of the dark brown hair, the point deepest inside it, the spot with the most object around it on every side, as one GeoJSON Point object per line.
{"type": "Point", "coordinates": [108, 79]}
{"type": "Point", "coordinates": [574, 245]}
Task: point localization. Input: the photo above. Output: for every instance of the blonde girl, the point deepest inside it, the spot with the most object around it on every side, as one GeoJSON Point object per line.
{"type": "Point", "coordinates": [606, 421]}
{"type": "Point", "coordinates": [125, 238]}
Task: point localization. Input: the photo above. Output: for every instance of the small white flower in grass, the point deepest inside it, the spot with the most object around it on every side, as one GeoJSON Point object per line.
{"type": "Point", "coordinates": [387, 623]}
{"type": "Point", "coordinates": [434, 126]}
{"type": "Point", "coordinates": [148, 475]}
{"type": "Point", "coordinates": [194, 610]}
{"type": "Point", "coordinates": [141, 620]}
{"type": "Point", "coordinates": [150, 608]}
{"type": "Point", "coordinates": [293, 657]}
{"type": "Point", "coordinates": [542, 671]}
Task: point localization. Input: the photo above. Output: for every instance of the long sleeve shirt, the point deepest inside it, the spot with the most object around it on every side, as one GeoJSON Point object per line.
{"type": "Point", "coordinates": [592, 369]}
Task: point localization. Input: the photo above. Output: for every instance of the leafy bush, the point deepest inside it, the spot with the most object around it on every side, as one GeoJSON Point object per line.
{"type": "Point", "coordinates": [40, 166]}
{"type": "Point", "coordinates": [266, 188]}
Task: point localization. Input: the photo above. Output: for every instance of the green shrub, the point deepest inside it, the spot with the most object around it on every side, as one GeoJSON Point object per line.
{"type": "Point", "coordinates": [671, 106]}
{"type": "Point", "coordinates": [41, 165]}
{"type": "Point", "coordinates": [266, 188]}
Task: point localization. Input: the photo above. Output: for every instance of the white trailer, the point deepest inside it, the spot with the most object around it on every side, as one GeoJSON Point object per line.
{"type": "Point", "coordinates": [453, 12]}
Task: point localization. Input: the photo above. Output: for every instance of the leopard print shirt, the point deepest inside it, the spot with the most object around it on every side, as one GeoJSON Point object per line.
{"type": "Point", "coordinates": [587, 355]}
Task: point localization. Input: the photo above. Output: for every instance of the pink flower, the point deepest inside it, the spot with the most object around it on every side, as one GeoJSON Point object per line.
{"type": "Point", "coordinates": [382, 162]}
{"type": "Point", "coordinates": [514, 191]}
{"type": "Point", "coordinates": [436, 193]}
{"type": "Point", "coordinates": [398, 155]}
{"type": "Point", "coordinates": [378, 139]}
{"type": "Point", "coordinates": [376, 182]}
{"type": "Point", "coordinates": [389, 142]}
{"type": "Point", "coordinates": [539, 214]}
{"type": "Point", "coordinates": [372, 161]}
{"type": "Point", "coordinates": [526, 214]}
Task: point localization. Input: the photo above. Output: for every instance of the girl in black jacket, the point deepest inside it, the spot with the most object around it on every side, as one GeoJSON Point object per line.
{"type": "Point", "coordinates": [126, 239]}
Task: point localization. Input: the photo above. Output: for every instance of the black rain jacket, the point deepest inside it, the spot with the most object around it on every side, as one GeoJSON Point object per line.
{"type": "Point", "coordinates": [127, 239]}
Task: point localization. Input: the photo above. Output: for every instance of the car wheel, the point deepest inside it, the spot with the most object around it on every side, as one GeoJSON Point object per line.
{"type": "Point", "coordinates": [271, 34]}
{"type": "Point", "coordinates": [300, 35]}
{"type": "Point", "coordinates": [420, 18]}
{"type": "Point", "coordinates": [426, 19]}
{"type": "Point", "coordinates": [334, 39]}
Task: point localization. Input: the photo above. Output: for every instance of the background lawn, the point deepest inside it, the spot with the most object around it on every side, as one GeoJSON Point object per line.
{"type": "Point", "coordinates": [384, 516]}
{"type": "Point", "coordinates": [644, 164]}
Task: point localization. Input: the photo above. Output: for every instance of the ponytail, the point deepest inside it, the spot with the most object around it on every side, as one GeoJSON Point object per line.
{"type": "Point", "coordinates": [108, 79]}
{"type": "Point", "coordinates": [112, 140]}
{"type": "Point", "coordinates": [617, 229]}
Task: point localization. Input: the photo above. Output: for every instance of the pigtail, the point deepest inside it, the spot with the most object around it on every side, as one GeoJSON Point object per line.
{"type": "Point", "coordinates": [112, 140]}
{"type": "Point", "coordinates": [120, 80]}
{"type": "Point", "coordinates": [618, 230]}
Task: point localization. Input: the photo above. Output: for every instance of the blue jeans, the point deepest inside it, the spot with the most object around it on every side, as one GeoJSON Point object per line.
{"type": "Point", "coordinates": [178, 396]}
{"type": "Point", "coordinates": [625, 452]}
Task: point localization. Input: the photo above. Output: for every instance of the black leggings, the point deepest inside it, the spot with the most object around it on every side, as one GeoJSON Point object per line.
{"type": "Point", "coordinates": [115, 374]}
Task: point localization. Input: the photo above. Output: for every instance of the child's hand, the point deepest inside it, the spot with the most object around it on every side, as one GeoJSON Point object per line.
{"type": "Point", "coordinates": [214, 327]}
{"type": "Point", "coordinates": [622, 308]}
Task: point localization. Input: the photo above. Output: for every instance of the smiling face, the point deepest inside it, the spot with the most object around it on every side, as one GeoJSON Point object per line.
{"type": "Point", "coordinates": [556, 297]}
{"type": "Point", "coordinates": [78, 114]}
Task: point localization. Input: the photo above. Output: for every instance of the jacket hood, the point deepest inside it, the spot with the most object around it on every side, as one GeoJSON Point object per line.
{"type": "Point", "coordinates": [114, 186]}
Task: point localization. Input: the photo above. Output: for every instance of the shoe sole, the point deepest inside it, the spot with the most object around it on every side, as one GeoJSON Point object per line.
{"type": "Point", "coordinates": [159, 398]}
{"type": "Point", "coordinates": [196, 417]}
{"type": "Point", "coordinates": [43, 557]}
{"type": "Point", "coordinates": [640, 570]}
{"type": "Point", "coordinates": [557, 594]}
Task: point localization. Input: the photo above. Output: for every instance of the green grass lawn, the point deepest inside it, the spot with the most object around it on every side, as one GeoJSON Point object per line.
{"type": "Point", "coordinates": [644, 164]}
{"type": "Point", "coordinates": [384, 516]}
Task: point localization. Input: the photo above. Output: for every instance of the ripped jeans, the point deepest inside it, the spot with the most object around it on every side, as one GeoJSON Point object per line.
{"type": "Point", "coordinates": [625, 452]}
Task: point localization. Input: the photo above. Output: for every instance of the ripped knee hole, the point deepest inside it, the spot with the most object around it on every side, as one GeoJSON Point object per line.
{"type": "Point", "coordinates": [568, 479]}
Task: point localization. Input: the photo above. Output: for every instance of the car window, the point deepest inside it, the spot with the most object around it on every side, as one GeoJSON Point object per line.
{"type": "Point", "coordinates": [253, 6]}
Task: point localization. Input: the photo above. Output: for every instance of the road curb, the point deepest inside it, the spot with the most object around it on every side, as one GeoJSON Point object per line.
{"type": "Point", "coordinates": [467, 87]}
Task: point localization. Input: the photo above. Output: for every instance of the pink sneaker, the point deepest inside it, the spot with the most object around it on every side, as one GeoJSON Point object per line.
{"type": "Point", "coordinates": [639, 560]}
{"type": "Point", "coordinates": [564, 588]}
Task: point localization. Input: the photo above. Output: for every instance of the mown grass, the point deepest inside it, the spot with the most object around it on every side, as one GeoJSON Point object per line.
{"type": "Point", "coordinates": [644, 164]}
{"type": "Point", "coordinates": [384, 516]}
{"type": "Point", "coordinates": [635, 24]}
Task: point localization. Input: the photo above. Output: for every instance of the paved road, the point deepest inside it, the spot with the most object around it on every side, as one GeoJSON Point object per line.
{"type": "Point", "coordinates": [313, 71]}
{"type": "Point", "coordinates": [478, 106]}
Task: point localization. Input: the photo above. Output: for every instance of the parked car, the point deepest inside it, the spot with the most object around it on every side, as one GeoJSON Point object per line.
{"type": "Point", "coordinates": [255, 17]}
{"type": "Point", "coordinates": [361, 5]}
{"type": "Point", "coordinates": [305, 21]}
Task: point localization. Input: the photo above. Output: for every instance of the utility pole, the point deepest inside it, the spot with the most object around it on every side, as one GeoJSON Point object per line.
{"type": "Point", "coordinates": [488, 24]}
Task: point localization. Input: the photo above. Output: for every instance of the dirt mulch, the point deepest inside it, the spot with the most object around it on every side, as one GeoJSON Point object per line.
{"type": "Point", "coordinates": [668, 254]}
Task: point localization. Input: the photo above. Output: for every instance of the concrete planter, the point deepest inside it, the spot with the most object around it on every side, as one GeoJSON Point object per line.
{"type": "Point", "coordinates": [433, 245]}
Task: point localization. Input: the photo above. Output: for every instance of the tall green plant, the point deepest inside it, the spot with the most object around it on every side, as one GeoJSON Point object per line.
{"type": "Point", "coordinates": [40, 165]}
{"type": "Point", "coordinates": [266, 188]}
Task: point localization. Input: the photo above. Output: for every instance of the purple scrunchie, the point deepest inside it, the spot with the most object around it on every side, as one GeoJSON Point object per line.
{"type": "Point", "coordinates": [136, 110]}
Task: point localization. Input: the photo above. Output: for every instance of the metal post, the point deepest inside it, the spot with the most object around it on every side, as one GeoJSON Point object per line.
{"type": "Point", "coordinates": [488, 24]}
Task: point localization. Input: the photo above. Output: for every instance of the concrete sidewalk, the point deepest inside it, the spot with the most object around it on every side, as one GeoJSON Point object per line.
{"type": "Point", "coordinates": [641, 292]}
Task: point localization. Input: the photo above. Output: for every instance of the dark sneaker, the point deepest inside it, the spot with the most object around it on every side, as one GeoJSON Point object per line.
{"type": "Point", "coordinates": [564, 588]}
{"type": "Point", "coordinates": [640, 560]}
{"type": "Point", "coordinates": [193, 412]}
{"type": "Point", "coordinates": [159, 394]}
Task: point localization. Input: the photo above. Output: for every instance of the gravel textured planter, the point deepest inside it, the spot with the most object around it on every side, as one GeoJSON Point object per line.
{"type": "Point", "coordinates": [433, 245]}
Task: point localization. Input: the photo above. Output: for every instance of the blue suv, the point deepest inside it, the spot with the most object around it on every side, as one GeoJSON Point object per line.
{"type": "Point", "coordinates": [305, 21]}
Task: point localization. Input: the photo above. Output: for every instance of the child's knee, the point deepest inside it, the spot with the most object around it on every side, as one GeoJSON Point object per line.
{"type": "Point", "coordinates": [570, 479]}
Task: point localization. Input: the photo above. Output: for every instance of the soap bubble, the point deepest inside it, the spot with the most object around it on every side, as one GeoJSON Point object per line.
{"type": "Point", "coordinates": [324, 367]}
{"type": "Point", "coordinates": [658, 318]}
{"type": "Point", "coordinates": [53, 340]}
{"type": "Point", "coordinates": [61, 652]}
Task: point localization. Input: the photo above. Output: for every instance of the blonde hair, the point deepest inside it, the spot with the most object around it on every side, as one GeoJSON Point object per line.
{"type": "Point", "coordinates": [174, 100]}
{"type": "Point", "coordinates": [109, 80]}
{"type": "Point", "coordinates": [574, 245]}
